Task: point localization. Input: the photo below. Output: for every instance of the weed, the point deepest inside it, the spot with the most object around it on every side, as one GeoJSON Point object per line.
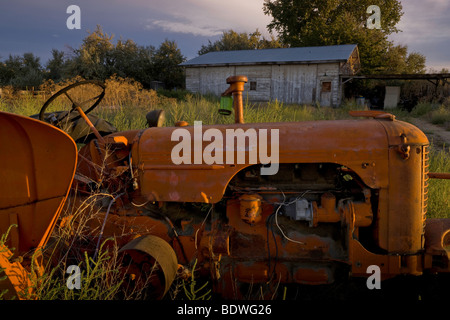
{"type": "Point", "coordinates": [100, 279]}
{"type": "Point", "coordinates": [193, 292]}
{"type": "Point", "coordinates": [441, 115]}
{"type": "Point", "coordinates": [422, 109]}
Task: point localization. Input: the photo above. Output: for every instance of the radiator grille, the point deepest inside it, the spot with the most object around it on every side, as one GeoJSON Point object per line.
{"type": "Point", "coordinates": [425, 182]}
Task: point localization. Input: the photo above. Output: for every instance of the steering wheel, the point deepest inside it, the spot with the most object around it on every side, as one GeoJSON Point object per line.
{"type": "Point", "coordinates": [76, 106]}
{"type": "Point", "coordinates": [82, 107]}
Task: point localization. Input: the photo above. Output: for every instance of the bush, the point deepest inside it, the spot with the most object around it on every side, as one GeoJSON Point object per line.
{"type": "Point", "coordinates": [422, 109]}
{"type": "Point", "coordinates": [175, 94]}
{"type": "Point", "coordinates": [441, 115]}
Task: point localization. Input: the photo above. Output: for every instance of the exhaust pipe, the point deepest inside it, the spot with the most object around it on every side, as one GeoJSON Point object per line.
{"type": "Point", "coordinates": [235, 90]}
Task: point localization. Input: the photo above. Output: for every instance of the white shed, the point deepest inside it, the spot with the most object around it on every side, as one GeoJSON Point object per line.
{"type": "Point", "coordinates": [302, 75]}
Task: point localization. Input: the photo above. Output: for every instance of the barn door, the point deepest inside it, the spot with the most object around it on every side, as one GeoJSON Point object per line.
{"type": "Point", "coordinates": [325, 93]}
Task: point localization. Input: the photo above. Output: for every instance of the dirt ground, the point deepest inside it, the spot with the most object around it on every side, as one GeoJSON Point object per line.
{"type": "Point", "coordinates": [437, 135]}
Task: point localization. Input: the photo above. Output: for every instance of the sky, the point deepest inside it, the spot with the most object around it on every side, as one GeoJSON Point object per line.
{"type": "Point", "coordinates": [40, 26]}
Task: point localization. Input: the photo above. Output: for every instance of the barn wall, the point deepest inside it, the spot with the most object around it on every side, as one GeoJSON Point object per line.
{"type": "Point", "coordinates": [261, 78]}
{"type": "Point", "coordinates": [207, 80]}
{"type": "Point", "coordinates": [329, 72]}
{"type": "Point", "coordinates": [294, 83]}
{"type": "Point", "coordinates": [192, 79]}
{"type": "Point", "coordinates": [300, 83]}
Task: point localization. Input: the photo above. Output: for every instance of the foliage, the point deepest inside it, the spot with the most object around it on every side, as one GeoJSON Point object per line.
{"type": "Point", "coordinates": [55, 66]}
{"type": "Point", "coordinates": [92, 60]}
{"type": "Point", "coordinates": [333, 22]}
{"type": "Point", "coordinates": [100, 279]}
{"type": "Point", "coordinates": [232, 40]}
{"type": "Point", "coordinates": [304, 23]}
{"type": "Point", "coordinates": [192, 291]}
{"type": "Point", "coordinates": [166, 62]}
{"type": "Point", "coordinates": [441, 115]}
{"type": "Point", "coordinates": [3, 239]}
{"type": "Point", "coordinates": [99, 58]}
{"type": "Point", "coordinates": [21, 71]}
{"type": "Point", "coordinates": [399, 61]}
{"type": "Point", "coordinates": [439, 190]}
{"type": "Point", "coordinates": [422, 109]}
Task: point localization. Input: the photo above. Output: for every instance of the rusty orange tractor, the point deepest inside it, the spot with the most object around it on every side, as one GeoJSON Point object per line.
{"type": "Point", "coordinates": [346, 195]}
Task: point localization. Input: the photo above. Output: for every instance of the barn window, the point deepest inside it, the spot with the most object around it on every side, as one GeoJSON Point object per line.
{"type": "Point", "coordinates": [253, 85]}
{"type": "Point", "coordinates": [326, 86]}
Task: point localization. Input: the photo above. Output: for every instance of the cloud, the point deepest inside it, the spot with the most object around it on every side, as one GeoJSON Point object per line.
{"type": "Point", "coordinates": [424, 28]}
{"type": "Point", "coordinates": [425, 20]}
{"type": "Point", "coordinates": [207, 17]}
{"type": "Point", "coordinates": [183, 27]}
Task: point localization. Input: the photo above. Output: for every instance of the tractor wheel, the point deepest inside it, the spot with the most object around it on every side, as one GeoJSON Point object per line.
{"type": "Point", "coordinates": [150, 266]}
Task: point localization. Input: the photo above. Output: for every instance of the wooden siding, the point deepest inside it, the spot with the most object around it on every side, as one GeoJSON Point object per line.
{"type": "Point", "coordinates": [297, 83]}
{"type": "Point", "coordinates": [294, 83]}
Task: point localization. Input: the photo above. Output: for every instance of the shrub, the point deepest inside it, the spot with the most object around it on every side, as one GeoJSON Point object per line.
{"type": "Point", "coordinates": [441, 115]}
{"type": "Point", "coordinates": [422, 109]}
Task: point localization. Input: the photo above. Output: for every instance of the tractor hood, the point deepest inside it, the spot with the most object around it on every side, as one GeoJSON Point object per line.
{"type": "Point", "coordinates": [195, 163]}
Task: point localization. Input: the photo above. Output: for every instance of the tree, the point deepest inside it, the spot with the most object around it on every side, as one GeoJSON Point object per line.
{"type": "Point", "coordinates": [399, 61]}
{"type": "Point", "coordinates": [11, 67]}
{"type": "Point", "coordinates": [123, 59]}
{"type": "Point", "coordinates": [21, 71]}
{"type": "Point", "coordinates": [92, 59]}
{"type": "Point", "coordinates": [231, 40]}
{"type": "Point", "coordinates": [332, 22]}
{"type": "Point", "coordinates": [55, 67]}
{"type": "Point", "coordinates": [416, 63]}
{"type": "Point", "coordinates": [166, 62]}
{"type": "Point", "coordinates": [146, 71]}
{"type": "Point", "coordinates": [99, 58]}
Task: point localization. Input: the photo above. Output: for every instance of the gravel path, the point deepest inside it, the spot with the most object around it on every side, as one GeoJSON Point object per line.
{"type": "Point", "coordinates": [437, 135]}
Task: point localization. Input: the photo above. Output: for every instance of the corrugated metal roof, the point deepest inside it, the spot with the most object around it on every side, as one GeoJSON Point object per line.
{"type": "Point", "coordinates": [273, 56]}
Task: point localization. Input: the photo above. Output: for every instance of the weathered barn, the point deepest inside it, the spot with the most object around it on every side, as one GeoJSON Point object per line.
{"type": "Point", "coordinates": [291, 75]}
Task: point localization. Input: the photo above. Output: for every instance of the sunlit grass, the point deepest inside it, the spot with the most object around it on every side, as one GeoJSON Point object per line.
{"type": "Point", "coordinates": [439, 189]}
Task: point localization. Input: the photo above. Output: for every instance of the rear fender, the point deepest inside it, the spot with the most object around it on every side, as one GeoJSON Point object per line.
{"type": "Point", "coordinates": [37, 166]}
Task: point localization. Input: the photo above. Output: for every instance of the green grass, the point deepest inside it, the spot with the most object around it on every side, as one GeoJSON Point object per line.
{"type": "Point", "coordinates": [438, 114]}
{"type": "Point", "coordinates": [423, 109]}
{"type": "Point", "coordinates": [24, 105]}
{"type": "Point", "coordinates": [441, 115]}
{"type": "Point", "coordinates": [439, 190]}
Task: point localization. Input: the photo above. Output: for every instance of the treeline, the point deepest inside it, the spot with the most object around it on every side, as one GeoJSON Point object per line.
{"type": "Point", "coordinates": [98, 58]}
